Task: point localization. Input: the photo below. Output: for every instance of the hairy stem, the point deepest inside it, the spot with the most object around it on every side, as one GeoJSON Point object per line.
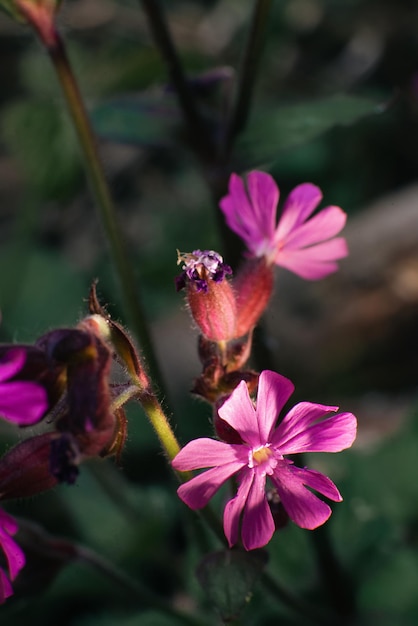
{"type": "Point", "coordinates": [104, 202]}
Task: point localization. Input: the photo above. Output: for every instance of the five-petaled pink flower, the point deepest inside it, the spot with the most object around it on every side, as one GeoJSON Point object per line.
{"type": "Point", "coordinates": [307, 247]}
{"type": "Point", "coordinates": [22, 402]}
{"type": "Point", "coordinates": [15, 557]}
{"type": "Point", "coordinates": [261, 456]}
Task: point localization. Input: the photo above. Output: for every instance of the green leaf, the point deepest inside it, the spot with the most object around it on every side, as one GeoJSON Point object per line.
{"type": "Point", "coordinates": [40, 136]}
{"type": "Point", "coordinates": [228, 578]}
{"type": "Point", "coordinates": [271, 132]}
{"type": "Point", "coordinates": [148, 119]}
{"type": "Point", "coordinates": [148, 618]}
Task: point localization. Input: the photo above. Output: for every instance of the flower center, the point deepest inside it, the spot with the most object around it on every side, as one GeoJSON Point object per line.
{"type": "Point", "coordinates": [263, 459]}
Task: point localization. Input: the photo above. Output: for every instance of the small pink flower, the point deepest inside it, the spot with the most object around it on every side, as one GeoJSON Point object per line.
{"type": "Point", "coordinates": [305, 246]}
{"type": "Point", "coordinates": [14, 555]}
{"type": "Point", "coordinates": [261, 456]}
{"type": "Point", "coordinates": [22, 402]}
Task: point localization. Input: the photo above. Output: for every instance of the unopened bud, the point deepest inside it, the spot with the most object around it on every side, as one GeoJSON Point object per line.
{"type": "Point", "coordinates": [253, 287]}
{"type": "Point", "coordinates": [209, 295]}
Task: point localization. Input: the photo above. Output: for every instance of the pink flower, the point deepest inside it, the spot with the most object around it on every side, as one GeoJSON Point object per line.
{"type": "Point", "coordinates": [261, 455]}
{"type": "Point", "coordinates": [13, 553]}
{"type": "Point", "coordinates": [305, 246]}
{"type": "Point", "coordinates": [22, 402]}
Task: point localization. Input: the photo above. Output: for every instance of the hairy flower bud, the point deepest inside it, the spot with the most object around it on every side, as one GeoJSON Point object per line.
{"type": "Point", "coordinates": [253, 286]}
{"type": "Point", "coordinates": [210, 296]}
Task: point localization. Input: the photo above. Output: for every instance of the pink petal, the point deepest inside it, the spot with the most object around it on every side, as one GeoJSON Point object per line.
{"type": "Point", "coordinates": [206, 452]}
{"type": "Point", "coordinates": [238, 211]}
{"type": "Point", "coordinates": [234, 507]}
{"type": "Point", "coordinates": [238, 410]}
{"type": "Point", "coordinates": [5, 587]}
{"type": "Point", "coordinates": [197, 492]}
{"type": "Point", "coordinates": [302, 506]}
{"type": "Point", "coordinates": [14, 554]}
{"type": "Point", "coordinates": [319, 482]}
{"type": "Point", "coordinates": [264, 196]}
{"type": "Point", "coordinates": [331, 435]}
{"type": "Point", "coordinates": [299, 205]}
{"type": "Point", "coordinates": [8, 523]}
{"type": "Point", "coordinates": [22, 402]}
{"type": "Point", "coordinates": [274, 391]}
{"type": "Point", "coordinates": [11, 363]}
{"type": "Point", "coordinates": [299, 418]}
{"type": "Point", "coordinates": [326, 224]}
{"type": "Point", "coordinates": [257, 522]}
{"type": "Point", "coordinates": [315, 262]}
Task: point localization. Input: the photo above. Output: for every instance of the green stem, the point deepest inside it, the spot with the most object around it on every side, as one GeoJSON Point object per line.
{"type": "Point", "coordinates": [161, 425]}
{"type": "Point", "coordinates": [171, 447]}
{"type": "Point", "coordinates": [248, 73]}
{"type": "Point", "coordinates": [100, 189]}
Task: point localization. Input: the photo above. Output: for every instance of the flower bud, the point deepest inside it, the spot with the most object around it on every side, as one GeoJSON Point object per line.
{"type": "Point", "coordinates": [40, 14]}
{"type": "Point", "coordinates": [25, 469]}
{"type": "Point", "coordinates": [253, 286]}
{"type": "Point", "coordinates": [210, 296]}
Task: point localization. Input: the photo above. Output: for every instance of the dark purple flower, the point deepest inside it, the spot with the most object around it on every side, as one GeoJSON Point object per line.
{"type": "Point", "coordinates": [199, 267]}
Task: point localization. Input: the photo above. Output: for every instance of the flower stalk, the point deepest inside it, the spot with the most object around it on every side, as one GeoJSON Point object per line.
{"type": "Point", "coordinates": [100, 189]}
{"type": "Point", "coordinates": [248, 73]}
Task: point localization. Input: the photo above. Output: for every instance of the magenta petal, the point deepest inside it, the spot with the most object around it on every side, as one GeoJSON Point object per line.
{"type": "Point", "coordinates": [12, 363]}
{"type": "Point", "coordinates": [5, 587]}
{"type": "Point", "coordinates": [197, 492]}
{"type": "Point", "coordinates": [302, 506]}
{"type": "Point", "coordinates": [326, 224]}
{"type": "Point", "coordinates": [299, 418]}
{"type": "Point", "coordinates": [274, 391]}
{"type": "Point", "coordinates": [257, 522]}
{"type": "Point", "coordinates": [22, 402]}
{"type": "Point", "coordinates": [206, 452]}
{"type": "Point", "coordinates": [315, 262]}
{"type": "Point", "coordinates": [234, 507]}
{"type": "Point", "coordinates": [299, 205]}
{"type": "Point", "coordinates": [238, 410]}
{"type": "Point", "coordinates": [264, 195]}
{"type": "Point", "coordinates": [319, 482]}
{"type": "Point", "coordinates": [238, 211]}
{"type": "Point", "coordinates": [331, 435]}
{"type": "Point", "coordinates": [14, 554]}
{"type": "Point", "coordinates": [8, 523]}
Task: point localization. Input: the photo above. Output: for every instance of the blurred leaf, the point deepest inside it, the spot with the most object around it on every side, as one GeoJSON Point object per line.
{"type": "Point", "coordinates": [41, 137]}
{"type": "Point", "coordinates": [228, 578]}
{"type": "Point", "coordinates": [271, 132]}
{"type": "Point", "coordinates": [147, 119]}
{"type": "Point", "coordinates": [40, 292]}
{"type": "Point", "coordinates": [149, 618]}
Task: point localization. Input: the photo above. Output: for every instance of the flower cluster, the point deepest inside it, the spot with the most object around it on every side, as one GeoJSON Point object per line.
{"type": "Point", "coordinates": [252, 446]}
{"type": "Point", "coordinates": [65, 381]}
{"type": "Point", "coordinates": [227, 310]}
{"type": "Point", "coordinates": [65, 376]}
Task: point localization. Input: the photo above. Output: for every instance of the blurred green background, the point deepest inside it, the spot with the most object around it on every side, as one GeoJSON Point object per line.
{"type": "Point", "coordinates": [336, 103]}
